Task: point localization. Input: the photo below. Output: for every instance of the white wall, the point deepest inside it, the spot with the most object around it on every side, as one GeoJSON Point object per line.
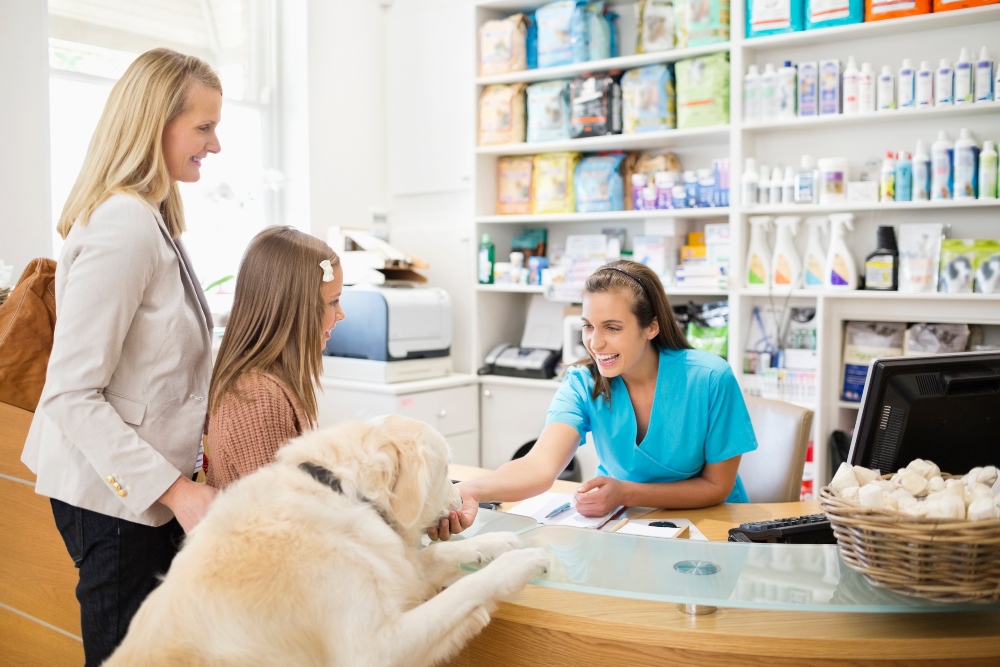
{"type": "Point", "coordinates": [26, 222]}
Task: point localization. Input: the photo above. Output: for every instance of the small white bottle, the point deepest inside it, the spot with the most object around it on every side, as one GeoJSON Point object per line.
{"type": "Point", "coordinates": [921, 173]}
{"type": "Point", "coordinates": [850, 81]}
{"type": "Point", "coordinates": [924, 86]}
{"type": "Point", "coordinates": [787, 83]}
{"type": "Point", "coordinates": [963, 78]}
{"type": "Point", "coordinates": [748, 183]}
{"type": "Point", "coordinates": [966, 166]}
{"type": "Point", "coordinates": [887, 179]}
{"type": "Point", "coordinates": [769, 94]}
{"type": "Point", "coordinates": [866, 89]}
{"type": "Point", "coordinates": [764, 185]}
{"type": "Point", "coordinates": [788, 187]}
{"type": "Point", "coordinates": [988, 171]}
{"type": "Point", "coordinates": [751, 95]}
{"type": "Point", "coordinates": [905, 97]}
{"type": "Point", "coordinates": [984, 77]}
{"type": "Point", "coordinates": [806, 182]}
{"type": "Point", "coordinates": [942, 167]}
{"type": "Point", "coordinates": [777, 184]}
{"type": "Point", "coordinates": [886, 90]}
{"type": "Point", "coordinates": [944, 84]}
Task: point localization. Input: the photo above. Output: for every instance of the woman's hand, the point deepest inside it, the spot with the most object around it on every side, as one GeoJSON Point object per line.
{"type": "Point", "coordinates": [458, 520]}
{"type": "Point", "coordinates": [188, 501]}
{"type": "Point", "coordinates": [599, 496]}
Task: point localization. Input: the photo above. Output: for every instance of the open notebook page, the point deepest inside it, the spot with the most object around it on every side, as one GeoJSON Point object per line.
{"type": "Point", "coordinates": [539, 507]}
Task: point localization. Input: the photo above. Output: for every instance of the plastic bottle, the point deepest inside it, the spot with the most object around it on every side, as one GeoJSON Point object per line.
{"type": "Point", "coordinates": [886, 90]}
{"type": "Point", "coordinates": [850, 82]}
{"type": "Point", "coordinates": [866, 89]}
{"type": "Point", "coordinates": [751, 95]}
{"type": "Point", "coordinates": [487, 254]}
{"type": "Point", "coordinates": [786, 265]}
{"type": "Point", "coordinates": [988, 171]}
{"type": "Point", "coordinates": [690, 189]}
{"type": "Point", "coordinates": [966, 181]}
{"type": "Point", "coordinates": [758, 266]}
{"type": "Point", "coordinates": [924, 86]}
{"type": "Point", "coordinates": [805, 181]}
{"type": "Point", "coordinates": [906, 85]}
{"type": "Point", "coordinates": [882, 265]}
{"type": "Point", "coordinates": [944, 84]}
{"type": "Point", "coordinates": [764, 185]}
{"type": "Point", "coordinates": [921, 173]}
{"type": "Point", "coordinates": [815, 257]}
{"type": "Point", "coordinates": [942, 163]}
{"type": "Point", "coordinates": [887, 179]}
{"type": "Point", "coordinates": [984, 77]}
{"type": "Point", "coordinates": [904, 177]}
{"type": "Point", "coordinates": [788, 187]}
{"type": "Point", "coordinates": [840, 270]}
{"type": "Point", "coordinates": [748, 183]}
{"type": "Point", "coordinates": [769, 94]}
{"type": "Point", "coordinates": [963, 78]}
{"type": "Point", "coordinates": [787, 86]}
{"type": "Point", "coordinates": [777, 183]}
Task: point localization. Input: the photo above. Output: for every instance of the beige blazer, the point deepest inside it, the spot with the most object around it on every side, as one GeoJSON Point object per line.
{"type": "Point", "coordinates": [123, 408]}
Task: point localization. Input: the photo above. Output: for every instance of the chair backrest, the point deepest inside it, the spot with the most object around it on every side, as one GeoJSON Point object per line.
{"type": "Point", "coordinates": [773, 473]}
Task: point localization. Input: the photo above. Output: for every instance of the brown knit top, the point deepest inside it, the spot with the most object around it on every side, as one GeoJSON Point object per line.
{"type": "Point", "coordinates": [244, 435]}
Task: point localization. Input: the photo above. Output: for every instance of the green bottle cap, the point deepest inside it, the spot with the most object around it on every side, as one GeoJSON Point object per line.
{"type": "Point", "coordinates": [486, 238]}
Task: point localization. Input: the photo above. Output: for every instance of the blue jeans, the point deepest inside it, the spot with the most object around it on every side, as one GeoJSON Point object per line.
{"type": "Point", "coordinates": [119, 563]}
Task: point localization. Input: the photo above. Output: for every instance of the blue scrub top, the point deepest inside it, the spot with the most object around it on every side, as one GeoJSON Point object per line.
{"type": "Point", "coordinates": [698, 417]}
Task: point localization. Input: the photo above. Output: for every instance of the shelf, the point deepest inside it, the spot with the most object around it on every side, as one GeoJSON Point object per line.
{"type": "Point", "coordinates": [707, 291]}
{"type": "Point", "coordinates": [806, 209]}
{"type": "Point", "coordinates": [778, 292]}
{"type": "Point", "coordinates": [528, 5]}
{"type": "Point", "coordinates": [513, 288]}
{"type": "Point", "coordinates": [876, 29]}
{"type": "Point", "coordinates": [854, 120]}
{"type": "Point", "coordinates": [865, 295]}
{"type": "Point", "coordinates": [609, 216]}
{"type": "Point", "coordinates": [716, 134]}
{"type": "Point", "coordinates": [605, 65]}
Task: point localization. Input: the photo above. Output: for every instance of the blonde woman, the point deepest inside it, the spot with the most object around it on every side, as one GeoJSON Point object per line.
{"type": "Point", "coordinates": [264, 384]}
{"type": "Point", "coordinates": [115, 438]}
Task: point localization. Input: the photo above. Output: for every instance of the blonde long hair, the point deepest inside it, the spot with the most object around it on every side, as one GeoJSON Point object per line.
{"type": "Point", "coordinates": [126, 152]}
{"type": "Point", "coordinates": [277, 317]}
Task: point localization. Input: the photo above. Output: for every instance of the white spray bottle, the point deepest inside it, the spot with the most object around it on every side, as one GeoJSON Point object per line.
{"type": "Point", "coordinates": [841, 271]}
{"type": "Point", "coordinates": [758, 266]}
{"type": "Point", "coordinates": [815, 258]}
{"type": "Point", "coordinates": [786, 265]}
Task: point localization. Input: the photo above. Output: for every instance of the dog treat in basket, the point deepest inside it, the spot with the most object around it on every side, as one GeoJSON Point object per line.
{"type": "Point", "coordinates": [920, 490]}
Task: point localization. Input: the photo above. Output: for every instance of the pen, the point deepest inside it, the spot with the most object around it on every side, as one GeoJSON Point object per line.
{"type": "Point", "coordinates": [559, 510]}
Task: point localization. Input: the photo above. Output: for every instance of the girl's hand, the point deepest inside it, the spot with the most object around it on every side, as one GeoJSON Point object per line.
{"type": "Point", "coordinates": [599, 496]}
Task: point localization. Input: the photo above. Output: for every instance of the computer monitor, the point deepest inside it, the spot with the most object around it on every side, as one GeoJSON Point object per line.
{"type": "Point", "coordinates": [943, 408]}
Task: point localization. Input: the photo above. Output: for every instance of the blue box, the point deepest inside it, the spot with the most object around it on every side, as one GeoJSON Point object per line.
{"type": "Point", "coordinates": [775, 17]}
{"type": "Point", "coordinates": [842, 12]}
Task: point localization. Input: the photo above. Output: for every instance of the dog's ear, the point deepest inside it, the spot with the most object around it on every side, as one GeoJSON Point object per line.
{"type": "Point", "coordinates": [401, 463]}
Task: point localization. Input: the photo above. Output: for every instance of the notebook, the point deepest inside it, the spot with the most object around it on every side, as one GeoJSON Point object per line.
{"type": "Point", "coordinates": [543, 509]}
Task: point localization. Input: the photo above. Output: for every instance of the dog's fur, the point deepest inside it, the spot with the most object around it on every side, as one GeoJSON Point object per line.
{"type": "Point", "coordinates": [284, 570]}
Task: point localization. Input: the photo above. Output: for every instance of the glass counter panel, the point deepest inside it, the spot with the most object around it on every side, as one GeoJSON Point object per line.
{"type": "Point", "coordinates": [490, 521]}
{"type": "Point", "coordinates": [781, 577]}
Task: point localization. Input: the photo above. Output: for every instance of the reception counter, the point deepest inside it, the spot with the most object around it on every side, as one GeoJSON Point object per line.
{"type": "Point", "coordinates": [557, 626]}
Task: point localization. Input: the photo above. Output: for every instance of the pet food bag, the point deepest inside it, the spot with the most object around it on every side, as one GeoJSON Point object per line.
{"type": "Point", "coordinates": [514, 185]}
{"type": "Point", "coordinates": [598, 184]}
{"type": "Point", "coordinates": [957, 259]}
{"type": "Point", "coordinates": [919, 255]}
{"type": "Point", "coordinates": [562, 33]}
{"type": "Point", "coordinates": [703, 91]}
{"type": "Point", "coordinates": [552, 183]}
{"type": "Point", "coordinates": [701, 22]}
{"type": "Point", "coordinates": [656, 31]}
{"type": "Point", "coordinates": [987, 265]}
{"type": "Point", "coordinates": [863, 342]}
{"type": "Point", "coordinates": [648, 100]}
{"type": "Point", "coordinates": [924, 339]}
{"type": "Point", "coordinates": [503, 45]}
{"type": "Point", "coordinates": [595, 106]}
{"type": "Point", "coordinates": [548, 111]}
{"type": "Point", "coordinates": [501, 115]}
{"type": "Point", "coordinates": [602, 33]}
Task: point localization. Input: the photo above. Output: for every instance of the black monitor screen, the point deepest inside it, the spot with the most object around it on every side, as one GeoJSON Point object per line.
{"type": "Point", "coordinates": [944, 408]}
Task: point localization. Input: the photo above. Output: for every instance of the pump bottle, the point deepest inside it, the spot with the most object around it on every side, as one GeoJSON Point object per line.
{"type": "Point", "coordinates": [815, 257]}
{"type": "Point", "coordinates": [758, 266]}
{"type": "Point", "coordinates": [841, 271]}
{"type": "Point", "coordinates": [786, 265]}
{"type": "Point", "coordinates": [882, 265]}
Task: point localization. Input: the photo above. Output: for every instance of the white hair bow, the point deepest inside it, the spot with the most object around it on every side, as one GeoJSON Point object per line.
{"type": "Point", "coordinates": [327, 270]}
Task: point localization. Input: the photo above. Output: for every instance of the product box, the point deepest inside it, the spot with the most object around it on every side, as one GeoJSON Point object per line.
{"type": "Point", "coordinates": [808, 89]}
{"type": "Point", "coordinates": [947, 5]}
{"type": "Point", "coordinates": [703, 91]}
{"type": "Point", "coordinates": [656, 252]}
{"type": "Point", "coordinates": [876, 10]}
{"type": "Point", "coordinates": [694, 252]}
{"type": "Point", "coordinates": [958, 256]}
{"type": "Point", "coordinates": [863, 343]}
{"type": "Point", "coordinates": [987, 266]}
{"type": "Point", "coordinates": [828, 13]}
{"type": "Point", "coordinates": [717, 233]}
{"type": "Point", "coordinates": [696, 238]}
{"type": "Point", "coordinates": [862, 192]}
{"type": "Point", "coordinates": [771, 17]}
{"type": "Point", "coordinates": [829, 87]}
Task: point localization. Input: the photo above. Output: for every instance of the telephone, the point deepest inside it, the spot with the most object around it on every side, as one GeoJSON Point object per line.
{"type": "Point", "coordinates": [524, 362]}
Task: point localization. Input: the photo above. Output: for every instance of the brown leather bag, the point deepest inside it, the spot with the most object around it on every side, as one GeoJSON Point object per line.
{"type": "Point", "coordinates": [27, 320]}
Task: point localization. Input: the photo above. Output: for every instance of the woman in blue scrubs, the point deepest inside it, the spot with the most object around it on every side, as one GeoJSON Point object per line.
{"type": "Point", "coordinates": [669, 422]}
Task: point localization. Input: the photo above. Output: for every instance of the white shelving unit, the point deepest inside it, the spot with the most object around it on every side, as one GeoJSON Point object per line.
{"type": "Point", "coordinates": [500, 310]}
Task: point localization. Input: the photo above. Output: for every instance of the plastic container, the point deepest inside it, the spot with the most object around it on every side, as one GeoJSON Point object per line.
{"type": "Point", "coordinates": [833, 180]}
{"type": "Point", "coordinates": [808, 89]}
{"type": "Point", "coordinates": [966, 181]}
{"type": "Point", "coordinates": [840, 270]}
{"type": "Point", "coordinates": [878, 10]}
{"type": "Point", "coordinates": [759, 255]}
{"type": "Point", "coordinates": [988, 171]}
{"type": "Point", "coordinates": [923, 86]}
{"type": "Point", "coordinates": [751, 95]}
{"type": "Point", "coordinates": [806, 186]}
{"type": "Point", "coordinates": [921, 173]}
{"type": "Point", "coordinates": [983, 77]}
{"type": "Point", "coordinates": [948, 5]}
{"type": "Point", "coordinates": [944, 84]}
{"type": "Point", "coordinates": [882, 265]}
{"type": "Point", "coordinates": [886, 92]}
{"type": "Point", "coordinates": [850, 88]}
{"type": "Point", "coordinates": [788, 187]}
{"type": "Point", "coordinates": [963, 78]}
{"type": "Point", "coordinates": [786, 265]}
{"type": "Point", "coordinates": [942, 167]}
{"type": "Point", "coordinates": [829, 87]}
{"type": "Point", "coordinates": [487, 256]}
{"type": "Point", "coordinates": [764, 185]}
{"type": "Point", "coordinates": [773, 17]}
{"type": "Point", "coordinates": [866, 89]}
{"type": "Point", "coordinates": [904, 177]}
{"type": "Point", "coordinates": [787, 90]}
{"type": "Point", "coordinates": [887, 179]}
{"type": "Point", "coordinates": [748, 183]}
{"type": "Point", "coordinates": [815, 257]}
{"type": "Point", "coordinates": [776, 185]}
{"type": "Point", "coordinates": [769, 94]}
{"type": "Point", "coordinates": [906, 86]}
{"type": "Point", "coordinates": [827, 13]}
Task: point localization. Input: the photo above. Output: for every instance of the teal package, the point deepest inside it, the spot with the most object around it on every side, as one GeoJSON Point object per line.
{"type": "Point", "coordinates": [548, 111]}
{"type": "Point", "coordinates": [562, 33]}
{"type": "Point", "coordinates": [649, 102]}
{"type": "Point", "coordinates": [701, 22]}
{"type": "Point", "coordinates": [531, 42]}
{"type": "Point", "coordinates": [602, 41]}
{"type": "Point", "coordinates": [703, 91]}
{"type": "Point", "coordinates": [828, 13]}
{"type": "Point", "coordinates": [773, 17]}
{"type": "Point", "coordinates": [598, 184]}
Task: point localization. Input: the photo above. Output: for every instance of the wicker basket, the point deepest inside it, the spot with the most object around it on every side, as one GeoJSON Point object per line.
{"type": "Point", "coordinates": [948, 560]}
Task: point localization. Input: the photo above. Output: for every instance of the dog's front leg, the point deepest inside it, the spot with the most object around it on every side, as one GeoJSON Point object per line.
{"type": "Point", "coordinates": [440, 561]}
{"type": "Point", "coordinates": [440, 627]}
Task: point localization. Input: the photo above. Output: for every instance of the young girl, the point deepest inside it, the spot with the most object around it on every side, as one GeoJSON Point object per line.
{"type": "Point", "coordinates": [264, 384]}
{"type": "Point", "coordinates": [669, 422]}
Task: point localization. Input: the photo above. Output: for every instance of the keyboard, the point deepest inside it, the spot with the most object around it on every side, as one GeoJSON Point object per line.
{"type": "Point", "coordinates": [809, 529]}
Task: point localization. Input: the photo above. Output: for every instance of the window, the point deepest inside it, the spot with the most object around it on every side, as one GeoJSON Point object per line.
{"type": "Point", "coordinates": [92, 42]}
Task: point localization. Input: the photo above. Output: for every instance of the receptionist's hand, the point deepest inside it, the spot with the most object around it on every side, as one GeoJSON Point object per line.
{"type": "Point", "coordinates": [599, 496]}
{"type": "Point", "coordinates": [457, 521]}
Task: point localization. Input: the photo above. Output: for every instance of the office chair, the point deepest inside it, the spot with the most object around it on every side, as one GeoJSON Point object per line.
{"type": "Point", "coordinates": [773, 473]}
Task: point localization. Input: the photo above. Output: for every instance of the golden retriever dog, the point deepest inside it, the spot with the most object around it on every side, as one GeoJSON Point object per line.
{"type": "Point", "coordinates": [316, 559]}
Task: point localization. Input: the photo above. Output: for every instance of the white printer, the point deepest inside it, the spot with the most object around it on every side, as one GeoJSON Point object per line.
{"type": "Point", "coordinates": [391, 334]}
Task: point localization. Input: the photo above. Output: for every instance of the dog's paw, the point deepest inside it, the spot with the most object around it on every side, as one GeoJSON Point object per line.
{"type": "Point", "coordinates": [514, 569]}
{"type": "Point", "coordinates": [488, 547]}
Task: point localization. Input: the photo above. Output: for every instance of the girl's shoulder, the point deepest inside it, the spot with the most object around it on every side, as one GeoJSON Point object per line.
{"type": "Point", "coordinates": [266, 390]}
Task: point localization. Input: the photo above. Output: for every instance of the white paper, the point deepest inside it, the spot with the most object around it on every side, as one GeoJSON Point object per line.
{"type": "Point", "coordinates": [544, 327]}
{"type": "Point", "coordinates": [642, 527]}
{"type": "Point", "coordinates": [540, 506]}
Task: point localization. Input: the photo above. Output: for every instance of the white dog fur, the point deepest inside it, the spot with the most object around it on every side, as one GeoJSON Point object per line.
{"type": "Point", "coordinates": [285, 570]}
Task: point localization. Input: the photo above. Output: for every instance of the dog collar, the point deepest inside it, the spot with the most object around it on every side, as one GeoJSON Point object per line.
{"type": "Point", "coordinates": [328, 478]}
